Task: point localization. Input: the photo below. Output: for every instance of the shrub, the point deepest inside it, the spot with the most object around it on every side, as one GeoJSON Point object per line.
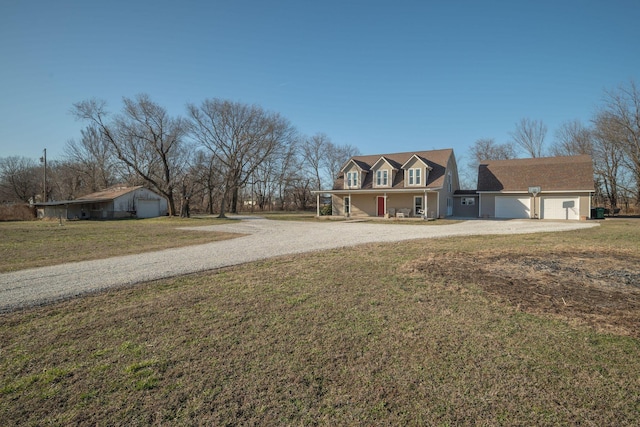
{"type": "Point", "coordinates": [16, 212]}
{"type": "Point", "coordinates": [326, 210]}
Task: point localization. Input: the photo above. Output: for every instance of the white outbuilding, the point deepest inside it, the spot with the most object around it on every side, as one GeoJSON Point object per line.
{"type": "Point", "coordinates": [112, 203]}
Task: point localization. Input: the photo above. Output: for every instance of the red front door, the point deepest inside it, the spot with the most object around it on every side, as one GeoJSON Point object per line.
{"type": "Point", "coordinates": [380, 206]}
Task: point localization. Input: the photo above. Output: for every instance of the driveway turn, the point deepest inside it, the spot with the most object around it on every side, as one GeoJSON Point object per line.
{"type": "Point", "coordinates": [264, 239]}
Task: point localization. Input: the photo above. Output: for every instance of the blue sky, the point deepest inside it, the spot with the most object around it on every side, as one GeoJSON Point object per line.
{"type": "Point", "coordinates": [384, 76]}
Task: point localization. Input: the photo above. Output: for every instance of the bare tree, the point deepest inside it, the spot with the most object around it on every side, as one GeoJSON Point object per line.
{"type": "Point", "coordinates": [206, 178]}
{"type": "Point", "coordinates": [482, 150]}
{"type": "Point", "coordinates": [241, 137]}
{"type": "Point", "coordinates": [314, 152]}
{"type": "Point", "coordinates": [145, 138]}
{"type": "Point", "coordinates": [487, 149]}
{"type": "Point", "coordinates": [274, 177]}
{"type": "Point", "coordinates": [337, 156]}
{"type": "Point", "coordinates": [572, 138]}
{"type": "Point", "coordinates": [19, 178]}
{"type": "Point", "coordinates": [607, 157]}
{"type": "Point", "coordinates": [529, 135]}
{"type": "Point", "coordinates": [93, 159]}
{"type": "Point", "coordinates": [622, 109]}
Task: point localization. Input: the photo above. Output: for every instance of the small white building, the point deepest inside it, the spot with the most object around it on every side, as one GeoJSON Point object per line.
{"type": "Point", "coordinates": [112, 203]}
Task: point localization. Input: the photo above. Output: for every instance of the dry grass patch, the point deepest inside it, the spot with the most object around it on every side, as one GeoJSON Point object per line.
{"type": "Point", "coordinates": [341, 337]}
{"type": "Point", "coordinates": [41, 243]}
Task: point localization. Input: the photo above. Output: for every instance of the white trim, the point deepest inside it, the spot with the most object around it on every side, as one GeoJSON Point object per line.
{"type": "Point", "coordinates": [349, 162]}
{"type": "Point", "coordinates": [527, 193]}
{"type": "Point", "coordinates": [384, 204]}
{"type": "Point", "coordinates": [382, 172]}
{"type": "Point", "coordinates": [511, 206]}
{"type": "Point", "coordinates": [377, 190]}
{"type": "Point", "coordinates": [416, 177]}
{"type": "Point", "coordinates": [415, 212]}
{"type": "Point", "coordinates": [373, 166]}
{"type": "Point", "coordinates": [573, 212]}
{"type": "Point", "coordinates": [419, 159]}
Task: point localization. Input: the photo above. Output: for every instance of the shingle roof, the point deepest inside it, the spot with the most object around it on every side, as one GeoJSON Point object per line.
{"type": "Point", "coordinates": [436, 159]}
{"type": "Point", "coordinates": [98, 196]}
{"type": "Point", "coordinates": [109, 193]}
{"type": "Point", "coordinates": [570, 173]}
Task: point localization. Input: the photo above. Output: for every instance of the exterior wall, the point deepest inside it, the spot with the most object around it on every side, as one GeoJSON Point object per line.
{"type": "Point", "coordinates": [382, 166]}
{"type": "Point", "coordinates": [121, 207]}
{"type": "Point", "coordinates": [487, 206]}
{"type": "Point", "coordinates": [361, 175]}
{"type": "Point", "coordinates": [363, 205]}
{"type": "Point", "coordinates": [451, 185]}
{"type": "Point", "coordinates": [585, 206]}
{"type": "Point", "coordinates": [126, 205]}
{"type": "Point", "coordinates": [400, 201]}
{"type": "Point", "coordinates": [584, 202]}
{"type": "Point", "coordinates": [411, 164]}
{"type": "Point", "coordinates": [337, 205]}
{"type": "Point", "coordinates": [366, 204]}
{"type": "Point", "coordinates": [466, 211]}
{"type": "Point", "coordinates": [488, 203]}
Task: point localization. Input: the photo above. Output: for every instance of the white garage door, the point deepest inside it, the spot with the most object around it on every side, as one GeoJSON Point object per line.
{"type": "Point", "coordinates": [560, 207]}
{"type": "Point", "coordinates": [513, 207]}
{"type": "Point", "coordinates": [148, 208]}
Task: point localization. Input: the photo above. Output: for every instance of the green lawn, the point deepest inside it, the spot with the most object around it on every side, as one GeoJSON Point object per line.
{"type": "Point", "coordinates": [340, 337]}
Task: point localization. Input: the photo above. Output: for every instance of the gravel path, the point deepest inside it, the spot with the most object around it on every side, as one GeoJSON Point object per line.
{"type": "Point", "coordinates": [265, 238]}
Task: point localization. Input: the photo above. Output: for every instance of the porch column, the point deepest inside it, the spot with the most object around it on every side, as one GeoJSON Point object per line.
{"type": "Point", "coordinates": [350, 205]}
{"type": "Point", "coordinates": [385, 204]}
{"type": "Point", "coordinates": [424, 206]}
{"type": "Point", "coordinates": [318, 204]}
{"type": "Point", "coordinates": [438, 205]}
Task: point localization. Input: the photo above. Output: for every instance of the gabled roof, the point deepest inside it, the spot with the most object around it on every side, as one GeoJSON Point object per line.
{"type": "Point", "coordinates": [391, 163]}
{"type": "Point", "coordinates": [569, 173]}
{"type": "Point", "coordinates": [437, 160]}
{"type": "Point", "coordinates": [415, 156]}
{"type": "Point", "coordinates": [109, 193]}
{"type": "Point", "coordinates": [99, 196]}
{"type": "Point", "coordinates": [360, 165]}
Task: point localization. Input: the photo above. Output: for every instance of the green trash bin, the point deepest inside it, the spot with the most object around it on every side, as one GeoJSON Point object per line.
{"type": "Point", "coordinates": [599, 213]}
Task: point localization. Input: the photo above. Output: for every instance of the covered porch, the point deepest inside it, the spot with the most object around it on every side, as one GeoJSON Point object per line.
{"type": "Point", "coordinates": [413, 203]}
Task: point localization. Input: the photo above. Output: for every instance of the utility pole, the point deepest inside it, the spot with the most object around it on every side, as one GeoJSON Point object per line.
{"type": "Point", "coordinates": [43, 159]}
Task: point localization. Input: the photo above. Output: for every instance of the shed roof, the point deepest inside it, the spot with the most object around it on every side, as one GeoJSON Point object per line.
{"type": "Point", "coordinates": [568, 173]}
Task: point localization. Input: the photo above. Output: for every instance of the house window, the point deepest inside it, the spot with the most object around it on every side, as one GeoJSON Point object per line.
{"type": "Point", "coordinates": [417, 206]}
{"type": "Point", "coordinates": [469, 201]}
{"type": "Point", "coordinates": [449, 180]}
{"type": "Point", "coordinates": [415, 176]}
{"type": "Point", "coordinates": [352, 179]}
{"type": "Point", "coordinates": [347, 206]}
{"type": "Point", "coordinates": [382, 178]}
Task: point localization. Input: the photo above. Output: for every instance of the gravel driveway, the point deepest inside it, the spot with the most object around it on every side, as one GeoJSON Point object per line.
{"type": "Point", "coordinates": [264, 239]}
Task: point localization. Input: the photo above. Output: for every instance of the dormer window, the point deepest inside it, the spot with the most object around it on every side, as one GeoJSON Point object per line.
{"type": "Point", "coordinates": [382, 178]}
{"type": "Point", "coordinates": [415, 177]}
{"type": "Point", "coordinates": [352, 179]}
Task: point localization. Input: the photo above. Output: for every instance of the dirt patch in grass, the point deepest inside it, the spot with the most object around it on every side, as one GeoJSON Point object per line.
{"type": "Point", "coordinates": [601, 290]}
{"type": "Point", "coordinates": [424, 332]}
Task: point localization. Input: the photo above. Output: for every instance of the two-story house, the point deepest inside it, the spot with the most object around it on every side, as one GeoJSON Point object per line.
{"type": "Point", "coordinates": [411, 184]}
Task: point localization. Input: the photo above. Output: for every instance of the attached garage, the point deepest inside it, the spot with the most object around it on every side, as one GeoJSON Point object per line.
{"type": "Point", "coordinates": [513, 207]}
{"type": "Point", "coordinates": [560, 207]}
{"type": "Point", "coordinates": [557, 188]}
